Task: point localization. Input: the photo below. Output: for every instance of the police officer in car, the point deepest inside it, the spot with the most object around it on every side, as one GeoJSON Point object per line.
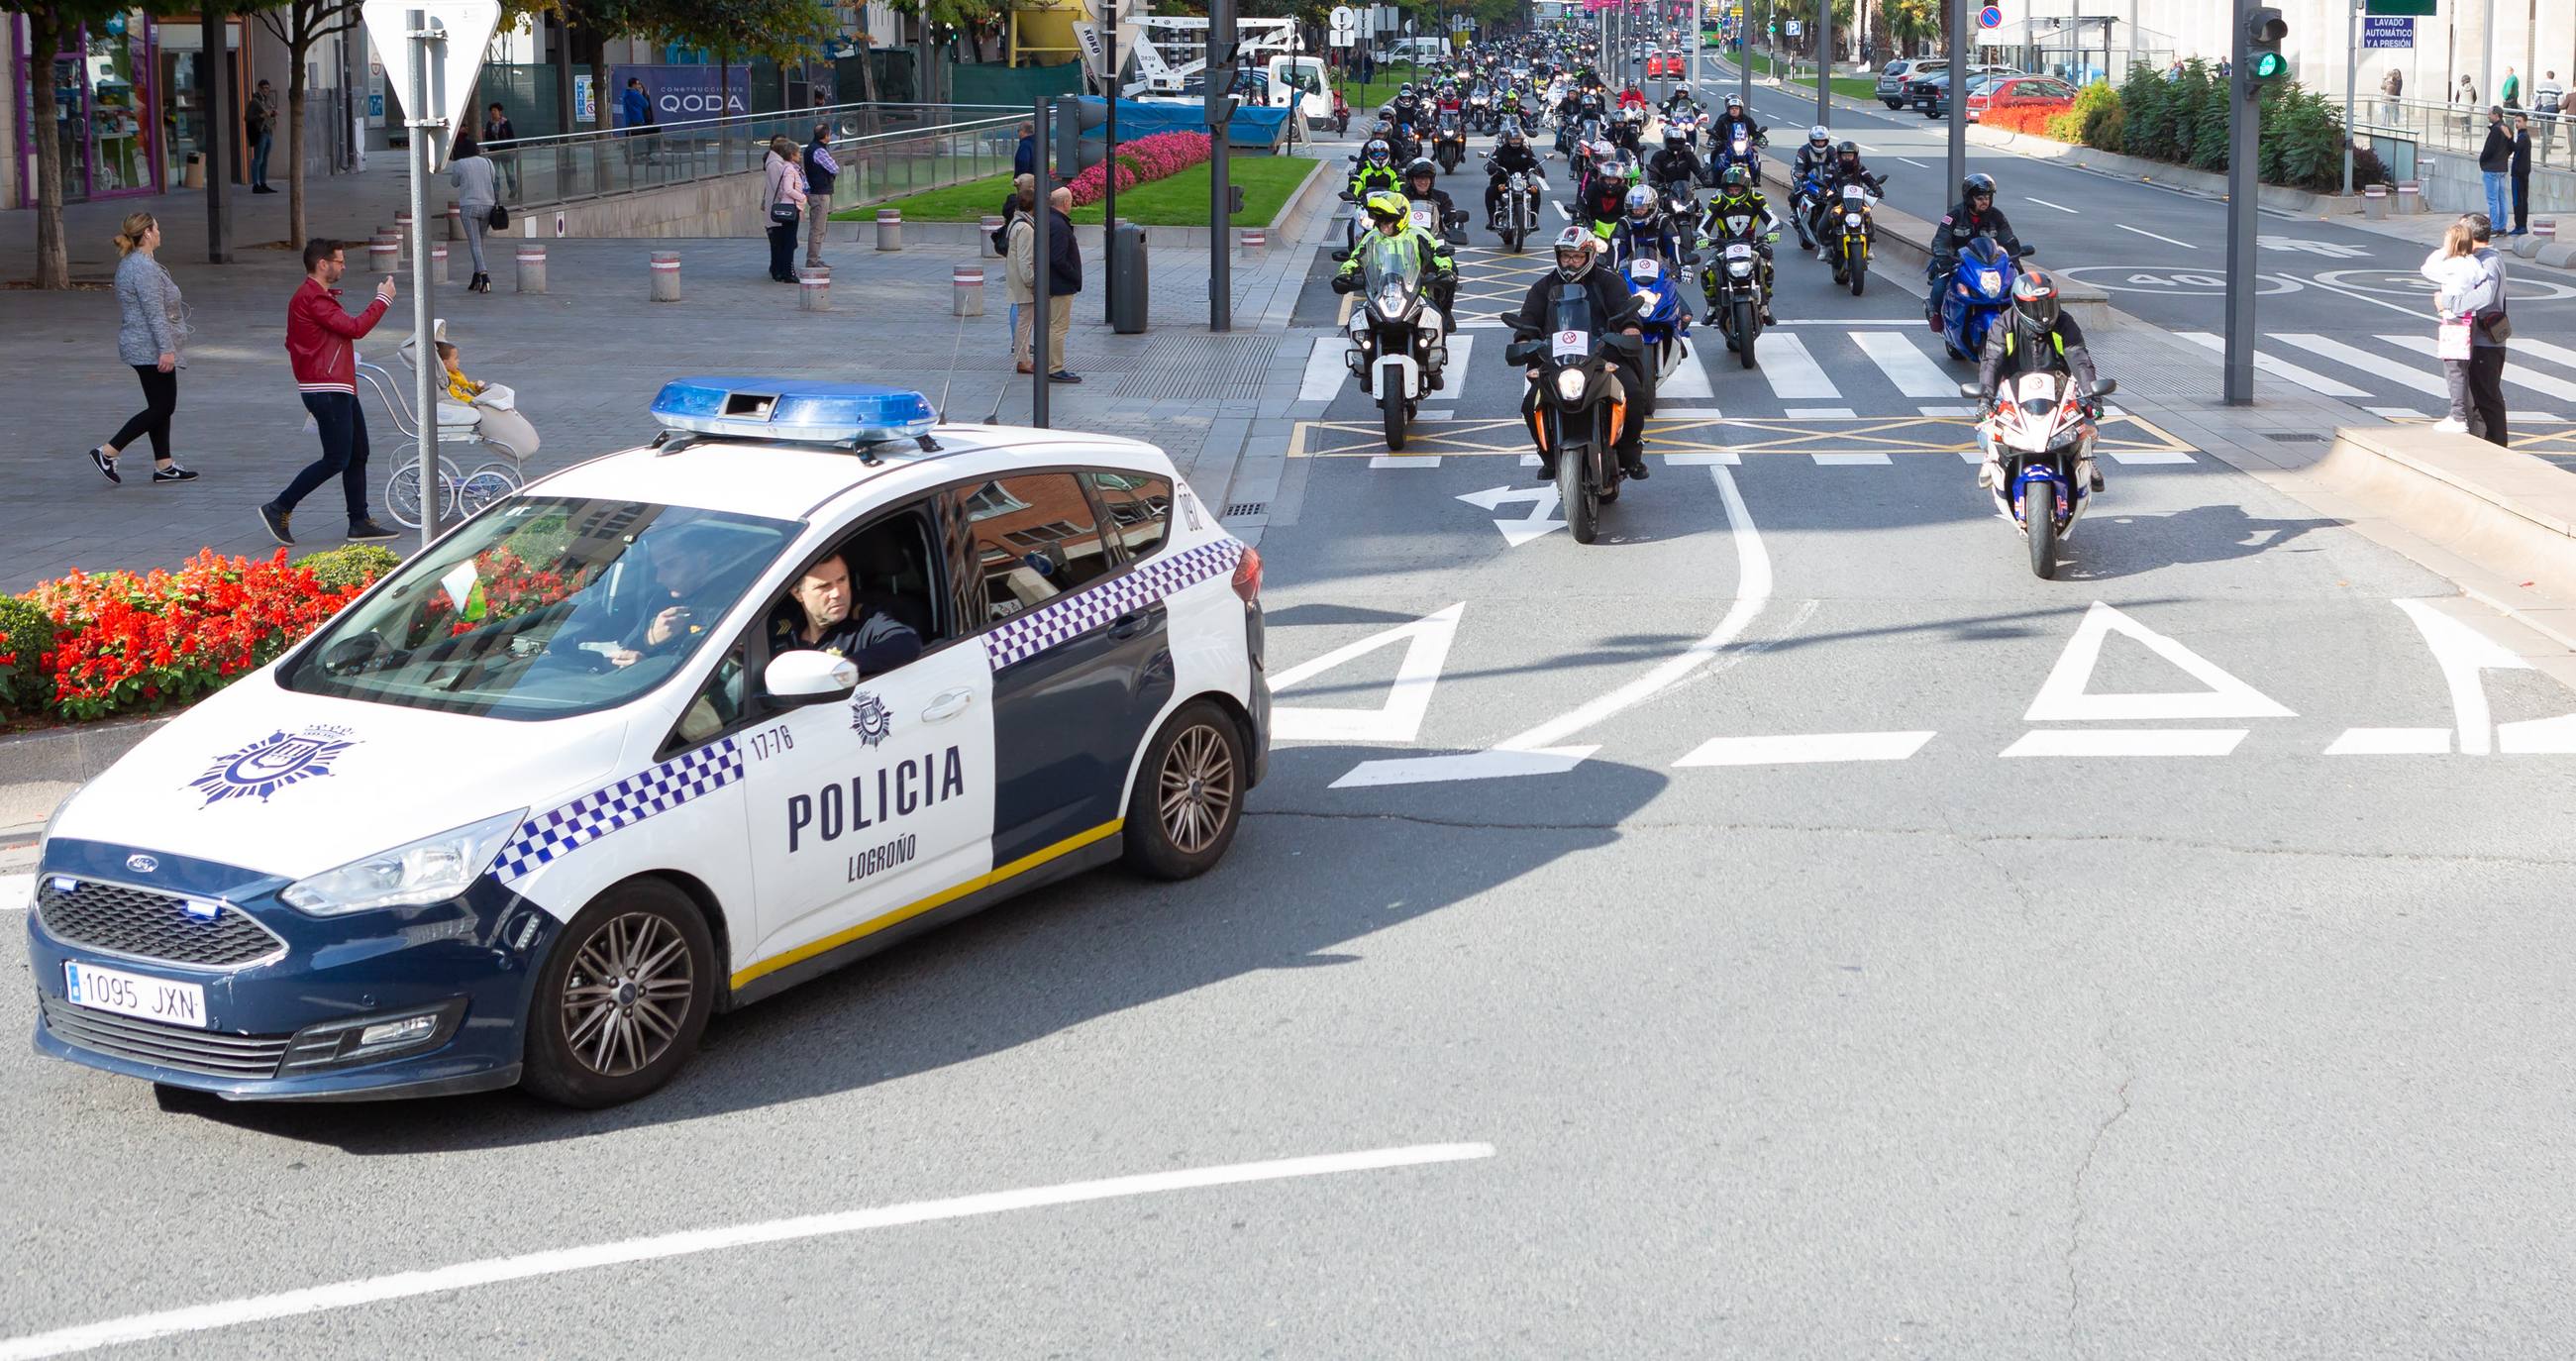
{"type": "Point", "coordinates": [834, 622]}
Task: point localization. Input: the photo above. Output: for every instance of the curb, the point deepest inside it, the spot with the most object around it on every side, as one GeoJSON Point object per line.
{"type": "Point", "coordinates": [45, 767]}
{"type": "Point", "coordinates": [2506, 512]}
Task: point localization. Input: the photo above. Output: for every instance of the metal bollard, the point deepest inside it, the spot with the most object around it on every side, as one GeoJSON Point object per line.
{"type": "Point", "coordinates": [666, 276]}
{"type": "Point", "coordinates": [402, 233]}
{"type": "Point", "coordinates": [455, 222]}
{"type": "Point", "coordinates": [889, 229]}
{"type": "Point", "coordinates": [1255, 240]}
{"type": "Point", "coordinates": [967, 283]}
{"type": "Point", "coordinates": [984, 243]}
{"type": "Point", "coordinates": [384, 254]}
{"type": "Point", "coordinates": [438, 262]}
{"type": "Point", "coordinates": [2410, 197]}
{"type": "Point", "coordinates": [814, 290]}
{"type": "Point", "coordinates": [532, 267]}
{"type": "Point", "coordinates": [2545, 226]}
{"type": "Point", "coordinates": [2374, 202]}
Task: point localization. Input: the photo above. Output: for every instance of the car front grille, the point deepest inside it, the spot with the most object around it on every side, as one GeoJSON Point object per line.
{"type": "Point", "coordinates": [140, 924]}
{"type": "Point", "coordinates": [210, 1052]}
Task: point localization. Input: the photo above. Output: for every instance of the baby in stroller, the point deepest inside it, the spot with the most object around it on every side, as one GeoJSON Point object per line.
{"type": "Point", "coordinates": [494, 408]}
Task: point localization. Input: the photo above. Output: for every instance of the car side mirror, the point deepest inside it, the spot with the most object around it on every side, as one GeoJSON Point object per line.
{"type": "Point", "coordinates": [806, 676]}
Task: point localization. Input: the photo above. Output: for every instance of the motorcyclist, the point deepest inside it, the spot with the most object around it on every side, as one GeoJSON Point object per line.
{"type": "Point", "coordinates": [1408, 108]}
{"type": "Point", "coordinates": [1390, 216]}
{"type": "Point", "coordinates": [1632, 98]}
{"type": "Point", "coordinates": [1736, 120]}
{"type": "Point", "coordinates": [1844, 168]}
{"type": "Point", "coordinates": [1675, 160]}
{"type": "Point", "coordinates": [1511, 155]}
{"type": "Point", "coordinates": [1643, 231]}
{"type": "Point", "coordinates": [1814, 156]}
{"type": "Point", "coordinates": [1606, 200]}
{"type": "Point", "coordinates": [1376, 170]}
{"type": "Point", "coordinates": [1420, 186]}
{"type": "Point", "coordinates": [1975, 215]}
{"type": "Point", "coordinates": [1577, 262]}
{"type": "Point", "coordinates": [1739, 211]}
{"type": "Point", "coordinates": [2040, 339]}
{"type": "Point", "coordinates": [1679, 100]}
{"type": "Point", "coordinates": [1449, 97]}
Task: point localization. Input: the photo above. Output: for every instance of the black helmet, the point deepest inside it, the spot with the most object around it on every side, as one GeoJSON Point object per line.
{"type": "Point", "coordinates": [1976, 184]}
{"type": "Point", "coordinates": [2034, 298]}
{"type": "Point", "coordinates": [1421, 165]}
{"type": "Point", "coordinates": [1734, 181]}
{"type": "Point", "coordinates": [1512, 134]}
{"type": "Point", "coordinates": [1674, 136]}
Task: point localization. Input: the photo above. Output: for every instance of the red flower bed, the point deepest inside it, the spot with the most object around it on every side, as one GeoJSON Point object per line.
{"type": "Point", "coordinates": [1142, 161]}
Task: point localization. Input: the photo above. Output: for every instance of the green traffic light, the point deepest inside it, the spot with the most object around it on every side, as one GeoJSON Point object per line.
{"type": "Point", "coordinates": [2268, 65]}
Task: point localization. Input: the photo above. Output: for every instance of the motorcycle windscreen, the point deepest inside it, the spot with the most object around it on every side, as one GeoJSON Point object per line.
{"type": "Point", "coordinates": [1573, 319]}
{"type": "Point", "coordinates": [1390, 270]}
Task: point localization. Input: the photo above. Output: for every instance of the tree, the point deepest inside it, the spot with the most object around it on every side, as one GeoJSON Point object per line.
{"type": "Point", "coordinates": [49, 22]}
{"type": "Point", "coordinates": [300, 24]}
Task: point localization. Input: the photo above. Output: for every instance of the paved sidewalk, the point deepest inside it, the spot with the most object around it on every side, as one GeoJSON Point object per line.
{"type": "Point", "coordinates": [586, 359]}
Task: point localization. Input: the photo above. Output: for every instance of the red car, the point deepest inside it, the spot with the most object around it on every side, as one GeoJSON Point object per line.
{"type": "Point", "coordinates": [2021, 92]}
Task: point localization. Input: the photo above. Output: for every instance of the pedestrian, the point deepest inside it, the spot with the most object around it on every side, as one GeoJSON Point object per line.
{"type": "Point", "coordinates": [1016, 274]}
{"type": "Point", "coordinates": [2520, 168]}
{"type": "Point", "coordinates": [782, 203]}
{"type": "Point", "coordinates": [259, 124]}
{"type": "Point", "coordinates": [150, 324]}
{"type": "Point", "coordinates": [321, 345]}
{"type": "Point", "coordinates": [2548, 99]}
{"type": "Point", "coordinates": [477, 191]}
{"type": "Point", "coordinates": [636, 108]}
{"type": "Point", "coordinates": [2453, 269]}
{"type": "Point", "coordinates": [2485, 305]}
{"type": "Point", "coordinates": [2466, 99]}
{"type": "Point", "coordinates": [1024, 158]}
{"type": "Point", "coordinates": [2495, 164]}
{"type": "Point", "coordinates": [1064, 279]}
{"type": "Point", "coordinates": [2510, 93]}
{"type": "Point", "coordinates": [497, 134]}
{"type": "Point", "coordinates": [2393, 87]}
{"type": "Point", "coordinates": [820, 170]}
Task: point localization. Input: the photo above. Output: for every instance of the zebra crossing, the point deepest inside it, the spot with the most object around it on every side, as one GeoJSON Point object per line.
{"type": "Point", "coordinates": [2395, 376]}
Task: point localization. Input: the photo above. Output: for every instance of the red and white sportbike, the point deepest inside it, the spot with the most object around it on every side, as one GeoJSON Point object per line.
{"type": "Point", "coordinates": [2038, 447]}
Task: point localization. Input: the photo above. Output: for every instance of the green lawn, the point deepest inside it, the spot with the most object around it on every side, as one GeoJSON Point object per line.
{"type": "Point", "coordinates": [1849, 87]}
{"type": "Point", "coordinates": [1180, 201]}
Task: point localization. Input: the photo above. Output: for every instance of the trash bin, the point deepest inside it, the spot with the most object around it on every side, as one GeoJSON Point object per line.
{"type": "Point", "coordinates": [1127, 276]}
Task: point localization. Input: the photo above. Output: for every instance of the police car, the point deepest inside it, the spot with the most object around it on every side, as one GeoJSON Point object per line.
{"type": "Point", "coordinates": [657, 736]}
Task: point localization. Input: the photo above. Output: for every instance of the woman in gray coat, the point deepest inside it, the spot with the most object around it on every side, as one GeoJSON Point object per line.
{"type": "Point", "coordinates": [472, 173]}
{"type": "Point", "coordinates": [148, 331]}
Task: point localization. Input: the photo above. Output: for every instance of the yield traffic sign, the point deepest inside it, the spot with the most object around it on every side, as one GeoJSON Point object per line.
{"type": "Point", "coordinates": [464, 29]}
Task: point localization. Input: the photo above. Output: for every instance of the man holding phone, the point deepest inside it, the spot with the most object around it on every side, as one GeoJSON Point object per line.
{"type": "Point", "coordinates": [321, 344]}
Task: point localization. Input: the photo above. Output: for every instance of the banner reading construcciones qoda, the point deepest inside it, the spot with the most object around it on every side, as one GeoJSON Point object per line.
{"type": "Point", "coordinates": [681, 94]}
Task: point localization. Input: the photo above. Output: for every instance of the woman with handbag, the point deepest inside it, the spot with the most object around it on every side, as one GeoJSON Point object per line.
{"type": "Point", "coordinates": [478, 197]}
{"type": "Point", "coordinates": [2453, 268]}
{"type": "Point", "coordinates": [782, 202]}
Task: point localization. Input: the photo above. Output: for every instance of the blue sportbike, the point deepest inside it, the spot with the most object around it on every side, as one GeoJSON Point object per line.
{"type": "Point", "coordinates": [1977, 291]}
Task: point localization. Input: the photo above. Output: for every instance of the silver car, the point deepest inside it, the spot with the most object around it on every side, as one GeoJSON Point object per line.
{"type": "Point", "coordinates": [1891, 78]}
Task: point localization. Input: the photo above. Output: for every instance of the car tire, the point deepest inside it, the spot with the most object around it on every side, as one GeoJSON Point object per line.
{"type": "Point", "coordinates": [633, 954]}
{"type": "Point", "coordinates": [1188, 799]}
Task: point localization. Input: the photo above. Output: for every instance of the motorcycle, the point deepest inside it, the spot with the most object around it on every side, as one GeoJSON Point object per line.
{"type": "Point", "coordinates": [1978, 291]}
{"type": "Point", "coordinates": [1662, 313]}
{"type": "Point", "coordinates": [1850, 243]}
{"type": "Point", "coordinates": [1480, 111]}
{"type": "Point", "coordinates": [1398, 346]}
{"type": "Point", "coordinates": [1521, 196]}
{"type": "Point", "coordinates": [1740, 149]}
{"type": "Point", "coordinates": [1582, 405]}
{"type": "Point", "coordinates": [1628, 129]}
{"type": "Point", "coordinates": [1449, 143]}
{"type": "Point", "coordinates": [1806, 203]}
{"type": "Point", "coordinates": [2040, 437]}
{"type": "Point", "coordinates": [1733, 283]}
{"type": "Point", "coordinates": [1680, 206]}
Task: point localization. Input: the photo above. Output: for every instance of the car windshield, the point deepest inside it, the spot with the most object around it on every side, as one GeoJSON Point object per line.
{"type": "Point", "coordinates": [543, 608]}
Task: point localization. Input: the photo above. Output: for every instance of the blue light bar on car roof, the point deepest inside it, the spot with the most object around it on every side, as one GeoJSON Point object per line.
{"type": "Point", "coordinates": [801, 409]}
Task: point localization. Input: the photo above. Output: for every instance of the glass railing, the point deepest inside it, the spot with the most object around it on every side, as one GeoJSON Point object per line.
{"type": "Point", "coordinates": [2454, 129]}
{"type": "Point", "coordinates": [885, 150]}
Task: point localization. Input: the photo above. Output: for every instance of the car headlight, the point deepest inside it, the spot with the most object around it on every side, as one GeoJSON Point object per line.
{"type": "Point", "coordinates": [432, 869]}
{"type": "Point", "coordinates": [1570, 384]}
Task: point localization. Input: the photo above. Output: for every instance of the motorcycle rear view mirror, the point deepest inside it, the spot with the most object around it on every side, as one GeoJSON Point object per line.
{"type": "Point", "coordinates": [1525, 352]}
{"type": "Point", "coordinates": [1970, 390]}
{"type": "Point", "coordinates": [2104, 387]}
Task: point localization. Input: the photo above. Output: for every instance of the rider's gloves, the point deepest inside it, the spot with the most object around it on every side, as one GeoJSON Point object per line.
{"type": "Point", "coordinates": [1344, 283]}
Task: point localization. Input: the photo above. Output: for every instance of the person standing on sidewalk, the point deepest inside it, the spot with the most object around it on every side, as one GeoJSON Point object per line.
{"type": "Point", "coordinates": [321, 344]}
{"type": "Point", "coordinates": [1064, 280]}
{"type": "Point", "coordinates": [820, 171]}
{"type": "Point", "coordinates": [2510, 92]}
{"type": "Point", "coordinates": [1024, 157]}
{"type": "Point", "coordinates": [477, 190]}
{"type": "Point", "coordinates": [497, 131]}
{"type": "Point", "coordinates": [2521, 169]}
{"type": "Point", "coordinates": [148, 332]}
{"type": "Point", "coordinates": [782, 203]}
{"type": "Point", "coordinates": [1019, 272]}
{"type": "Point", "coordinates": [2495, 164]}
{"type": "Point", "coordinates": [2548, 99]}
{"type": "Point", "coordinates": [2452, 269]}
{"type": "Point", "coordinates": [259, 122]}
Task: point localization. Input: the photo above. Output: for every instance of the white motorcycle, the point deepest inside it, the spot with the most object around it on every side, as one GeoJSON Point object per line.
{"type": "Point", "coordinates": [2038, 447]}
{"type": "Point", "coordinates": [1398, 345]}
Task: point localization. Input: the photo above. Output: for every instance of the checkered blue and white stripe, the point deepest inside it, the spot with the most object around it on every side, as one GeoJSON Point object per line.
{"type": "Point", "coordinates": [1026, 635]}
{"type": "Point", "coordinates": [566, 829]}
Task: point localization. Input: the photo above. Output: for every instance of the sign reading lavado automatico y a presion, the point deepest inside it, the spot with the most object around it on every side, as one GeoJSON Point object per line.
{"type": "Point", "coordinates": [2387, 30]}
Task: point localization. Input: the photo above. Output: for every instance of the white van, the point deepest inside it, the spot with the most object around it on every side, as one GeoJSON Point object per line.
{"type": "Point", "coordinates": [1414, 49]}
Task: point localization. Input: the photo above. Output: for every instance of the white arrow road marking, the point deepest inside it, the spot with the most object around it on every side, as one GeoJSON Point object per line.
{"type": "Point", "coordinates": [2128, 742]}
{"type": "Point", "coordinates": [1517, 532]}
{"type": "Point", "coordinates": [1539, 750]}
{"type": "Point", "coordinates": [2463, 653]}
{"type": "Point", "coordinates": [1426, 650]}
{"type": "Point", "coordinates": [2392, 742]}
{"type": "Point", "coordinates": [690, 1242]}
{"type": "Point", "coordinates": [2062, 697]}
{"type": "Point", "coordinates": [1806, 748]}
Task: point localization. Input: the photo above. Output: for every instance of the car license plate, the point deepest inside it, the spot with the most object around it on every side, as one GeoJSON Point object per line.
{"type": "Point", "coordinates": [126, 994]}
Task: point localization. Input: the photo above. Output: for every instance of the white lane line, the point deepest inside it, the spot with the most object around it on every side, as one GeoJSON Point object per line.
{"type": "Point", "coordinates": [1702, 458]}
{"type": "Point", "coordinates": [2556, 354]}
{"type": "Point", "coordinates": [1807, 748]}
{"type": "Point", "coordinates": [2129, 742]}
{"type": "Point", "coordinates": [1905, 364]}
{"type": "Point", "coordinates": [1847, 321]}
{"type": "Point", "coordinates": [2404, 375]}
{"type": "Point", "coordinates": [1686, 413]}
{"type": "Point", "coordinates": [2282, 369]}
{"type": "Point", "coordinates": [1819, 413]}
{"type": "Point", "coordinates": [2392, 742]}
{"type": "Point", "coordinates": [495, 1270]}
{"type": "Point", "coordinates": [17, 892]}
{"type": "Point", "coordinates": [2166, 239]}
{"type": "Point", "coordinates": [1561, 214]}
{"type": "Point", "coordinates": [2140, 457]}
{"type": "Point", "coordinates": [1537, 751]}
{"type": "Point", "coordinates": [1397, 461]}
{"type": "Point", "coordinates": [1688, 381]}
{"type": "Point", "coordinates": [1946, 411]}
{"type": "Point", "coordinates": [1792, 372]}
{"type": "Point", "coordinates": [1861, 460]}
{"type": "Point", "coordinates": [1907, 159]}
{"type": "Point", "coordinates": [2044, 203]}
{"type": "Point", "coordinates": [2518, 375]}
{"type": "Point", "coordinates": [1462, 356]}
{"type": "Point", "coordinates": [2395, 413]}
{"type": "Point", "coordinates": [1325, 371]}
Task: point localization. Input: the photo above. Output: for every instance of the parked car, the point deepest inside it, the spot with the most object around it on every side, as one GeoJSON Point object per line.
{"type": "Point", "coordinates": [1891, 79]}
{"type": "Point", "coordinates": [1930, 95]}
{"type": "Point", "coordinates": [2019, 92]}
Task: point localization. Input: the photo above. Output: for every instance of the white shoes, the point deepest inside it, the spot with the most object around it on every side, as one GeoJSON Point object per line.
{"type": "Point", "coordinates": [2451, 427]}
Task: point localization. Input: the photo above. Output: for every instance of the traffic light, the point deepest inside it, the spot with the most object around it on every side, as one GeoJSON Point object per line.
{"type": "Point", "coordinates": [2264, 64]}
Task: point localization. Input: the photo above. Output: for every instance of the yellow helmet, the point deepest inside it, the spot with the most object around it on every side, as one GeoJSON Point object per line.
{"type": "Point", "coordinates": [1386, 204]}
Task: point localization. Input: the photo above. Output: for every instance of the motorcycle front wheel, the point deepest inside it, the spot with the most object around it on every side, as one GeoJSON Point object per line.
{"type": "Point", "coordinates": [1391, 402]}
{"type": "Point", "coordinates": [1574, 493]}
{"type": "Point", "coordinates": [1746, 321]}
{"type": "Point", "coordinates": [1858, 266]}
{"type": "Point", "coordinates": [2039, 516]}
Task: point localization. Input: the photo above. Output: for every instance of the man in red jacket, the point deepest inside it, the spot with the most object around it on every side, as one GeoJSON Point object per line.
{"type": "Point", "coordinates": [321, 344]}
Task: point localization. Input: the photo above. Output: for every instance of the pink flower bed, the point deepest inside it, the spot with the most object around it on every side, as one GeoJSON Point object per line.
{"type": "Point", "coordinates": [1142, 161]}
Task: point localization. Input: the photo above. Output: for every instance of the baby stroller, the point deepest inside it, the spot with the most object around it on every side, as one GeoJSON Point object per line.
{"type": "Point", "coordinates": [488, 434]}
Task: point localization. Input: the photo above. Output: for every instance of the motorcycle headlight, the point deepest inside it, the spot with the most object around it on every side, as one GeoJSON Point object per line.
{"type": "Point", "coordinates": [432, 869]}
{"type": "Point", "coordinates": [1851, 219]}
{"type": "Point", "coordinates": [1570, 384]}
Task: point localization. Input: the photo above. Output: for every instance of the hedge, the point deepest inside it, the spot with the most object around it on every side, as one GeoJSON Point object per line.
{"type": "Point", "coordinates": [2184, 121]}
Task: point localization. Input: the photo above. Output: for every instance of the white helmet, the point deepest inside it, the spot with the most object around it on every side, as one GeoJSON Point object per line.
{"type": "Point", "coordinates": [1578, 240]}
{"type": "Point", "coordinates": [1817, 136]}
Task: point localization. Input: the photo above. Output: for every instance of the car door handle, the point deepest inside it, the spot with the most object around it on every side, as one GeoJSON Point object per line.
{"type": "Point", "coordinates": [1128, 625]}
{"type": "Point", "coordinates": [947, 705]}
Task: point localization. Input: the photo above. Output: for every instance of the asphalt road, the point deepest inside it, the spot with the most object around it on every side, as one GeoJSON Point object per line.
{"type": "Point", "coordinates": [1741, 882]}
